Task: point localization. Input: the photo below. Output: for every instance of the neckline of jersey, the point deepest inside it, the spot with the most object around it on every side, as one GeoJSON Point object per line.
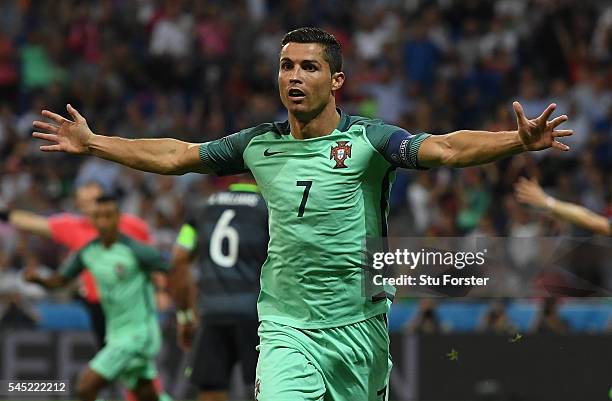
{"type": "Point", "coordinates": [121, 238]}
{"type": "Point", "coordinates": [342, 127]}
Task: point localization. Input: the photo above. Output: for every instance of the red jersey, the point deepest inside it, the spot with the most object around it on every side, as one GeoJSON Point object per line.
{"type": "Point", "coordinates": [75, 231]}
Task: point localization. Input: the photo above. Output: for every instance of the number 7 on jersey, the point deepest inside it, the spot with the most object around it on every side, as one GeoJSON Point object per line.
{"type": "Point", "coordinates": [306, 185]}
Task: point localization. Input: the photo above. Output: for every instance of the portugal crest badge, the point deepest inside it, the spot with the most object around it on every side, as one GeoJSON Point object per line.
{"type": "Point", "coordinates": [340, 153]}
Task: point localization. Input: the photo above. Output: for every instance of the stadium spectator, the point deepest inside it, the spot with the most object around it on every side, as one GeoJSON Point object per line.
{"type": "Point", "coordinates": [426, 320]}
{"type": "Point", "coordinates": [16, 314]}
{"type": "Point", "coordinates": [530, 192]}
{"type": "Point", "coordinates": [496, 320]}
{"type": "Point", "coordinates": [549, 320]}
{"type": "Point", "coordinates": [171, 32]}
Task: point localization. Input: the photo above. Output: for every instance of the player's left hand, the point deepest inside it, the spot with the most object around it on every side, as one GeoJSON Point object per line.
{"type": "Point", "coordinates": [65, 135]}
{"type": "Point", "coordinates": [539, 133]}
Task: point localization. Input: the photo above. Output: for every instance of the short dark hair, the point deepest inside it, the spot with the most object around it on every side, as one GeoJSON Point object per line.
{"type": "Point", "coordinates": [107, 198]}
{"type": "Point", "coordinates": [332, 50]}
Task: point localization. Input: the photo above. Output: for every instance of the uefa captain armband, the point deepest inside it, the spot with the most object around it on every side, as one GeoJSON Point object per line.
{"type": "Point", "coordinates": [402, 149]}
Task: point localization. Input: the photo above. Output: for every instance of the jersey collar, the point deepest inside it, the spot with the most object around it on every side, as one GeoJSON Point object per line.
{"type": "Point", "coordinates": [343, 125]}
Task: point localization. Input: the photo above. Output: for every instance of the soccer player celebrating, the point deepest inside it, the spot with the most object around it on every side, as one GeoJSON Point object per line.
{"type": "Point", "coordinates": [326, 178]}
{"type": "Point", "coordinates": [229, 234]}
{"type": "Point", "coordinates": [531, 193]}
{"type": "Point", "coordinates": [76, 230]}
{"type": "Point", "coordinates": [122, 268]}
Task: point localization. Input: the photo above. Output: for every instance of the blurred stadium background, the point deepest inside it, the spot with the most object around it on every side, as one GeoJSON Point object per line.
{"type": "Point", "coordinates": [198, 70]}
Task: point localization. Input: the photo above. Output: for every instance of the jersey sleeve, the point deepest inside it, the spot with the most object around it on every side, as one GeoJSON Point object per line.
{"type": "Point", "coordinates": [62, 228]}
{"type": "Point", "coordinates": [399, 147]}
{"type": "Point", "coordinates": [72, 266]}
{"type": "Point", "coordinates": [224, 156]}
{"type": "Point", "coordinates": [149, 259]}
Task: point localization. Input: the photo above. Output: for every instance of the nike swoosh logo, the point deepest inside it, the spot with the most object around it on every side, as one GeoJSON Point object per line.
{"type": "Point", "coordinates": [268, 153]}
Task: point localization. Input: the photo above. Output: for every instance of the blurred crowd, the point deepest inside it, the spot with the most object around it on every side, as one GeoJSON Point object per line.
{"type": "Point", "coordinates": [198, 70]}
{"type": "Point", "coordinates": [494, 321]}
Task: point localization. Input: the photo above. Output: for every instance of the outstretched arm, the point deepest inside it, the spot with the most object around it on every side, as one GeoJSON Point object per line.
{"type": "Point", "coordinates": [54, 281]}
{"type": "Point", "coordinates": [27, 221]}
{"type": "Point", "coordinates": [162, 156]}
{"type": "Point", "coordinates": [530, 192]}
{"type": "Point", "coordinates": [182, 286]}
{"type": "Point", "coordinates": [469, 148]}
{"type": "Point", "coordinates": [180, 280]}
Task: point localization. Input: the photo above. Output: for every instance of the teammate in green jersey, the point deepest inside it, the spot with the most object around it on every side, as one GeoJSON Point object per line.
{"type": "Point", "coordinates": [122, 268]}
{"type": "Point", "coordinates": [326, 178]}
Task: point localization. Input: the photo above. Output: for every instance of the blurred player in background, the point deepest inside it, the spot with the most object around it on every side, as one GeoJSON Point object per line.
{"type": "Point", "coordinates": [122, 268]}
{"type": "Point", "coordinates": [76, 230]}
{"type": "Point", "coordinates": [228, 232]}
{"type": "Point", "coordinates": [326, 178]}
{"type": "Point", "coordinates": [531, 193]}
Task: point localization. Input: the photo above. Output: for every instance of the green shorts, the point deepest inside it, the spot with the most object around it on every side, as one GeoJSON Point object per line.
{"type": "Point", "coordinates": [336, 364]}
{"type": "Point", "coordinates": [116, 362]}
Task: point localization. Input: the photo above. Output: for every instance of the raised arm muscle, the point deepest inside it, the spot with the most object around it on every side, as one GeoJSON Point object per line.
{"type": "Point", "coordinates": [163, 156]}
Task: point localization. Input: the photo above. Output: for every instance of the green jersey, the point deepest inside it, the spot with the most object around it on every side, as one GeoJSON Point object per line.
{"type": "Point", "coordinates": [325, 196]}
{"type": "Point", "coordinates": [122, 273]}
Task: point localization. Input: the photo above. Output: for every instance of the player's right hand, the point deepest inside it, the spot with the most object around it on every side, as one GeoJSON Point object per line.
{"type": "Point", "coordinates": [30, 274]}
{"type": "Point", "coordinates": [530, 192]}
{"type": "Point", "coordinates": [65, 135]}
{"type": "Point", "coordinates": [186, 333]}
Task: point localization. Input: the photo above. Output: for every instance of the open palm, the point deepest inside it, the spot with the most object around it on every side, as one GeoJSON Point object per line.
{"type": "Point", "coordinates": [65, 135]}
{"type": "Point", "coordinates": [539, 133]}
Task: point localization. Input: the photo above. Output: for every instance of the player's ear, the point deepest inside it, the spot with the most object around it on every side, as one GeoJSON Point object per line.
{"type": "Point", "coordinates": [337, 80]}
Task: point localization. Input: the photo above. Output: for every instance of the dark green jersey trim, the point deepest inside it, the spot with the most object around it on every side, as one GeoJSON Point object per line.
{"type": "Point", "coordinates": [151, 316]}
{"type": "Point", "coordinates": [74, 264]}
{"type": "Point", "coordinates": [384, 200]}
{"type": "Point", "coordinates": [415, 144]}
{"type": "Point", "coordinates": [345, 122]}
{"type": "Point", "coordinates": [149, 259]}
{"type": "Point", "coordinates": [225, 156]}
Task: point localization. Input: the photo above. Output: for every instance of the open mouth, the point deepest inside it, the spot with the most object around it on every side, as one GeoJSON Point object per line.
{"type": "Point", "coordinates": [296, 94]}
